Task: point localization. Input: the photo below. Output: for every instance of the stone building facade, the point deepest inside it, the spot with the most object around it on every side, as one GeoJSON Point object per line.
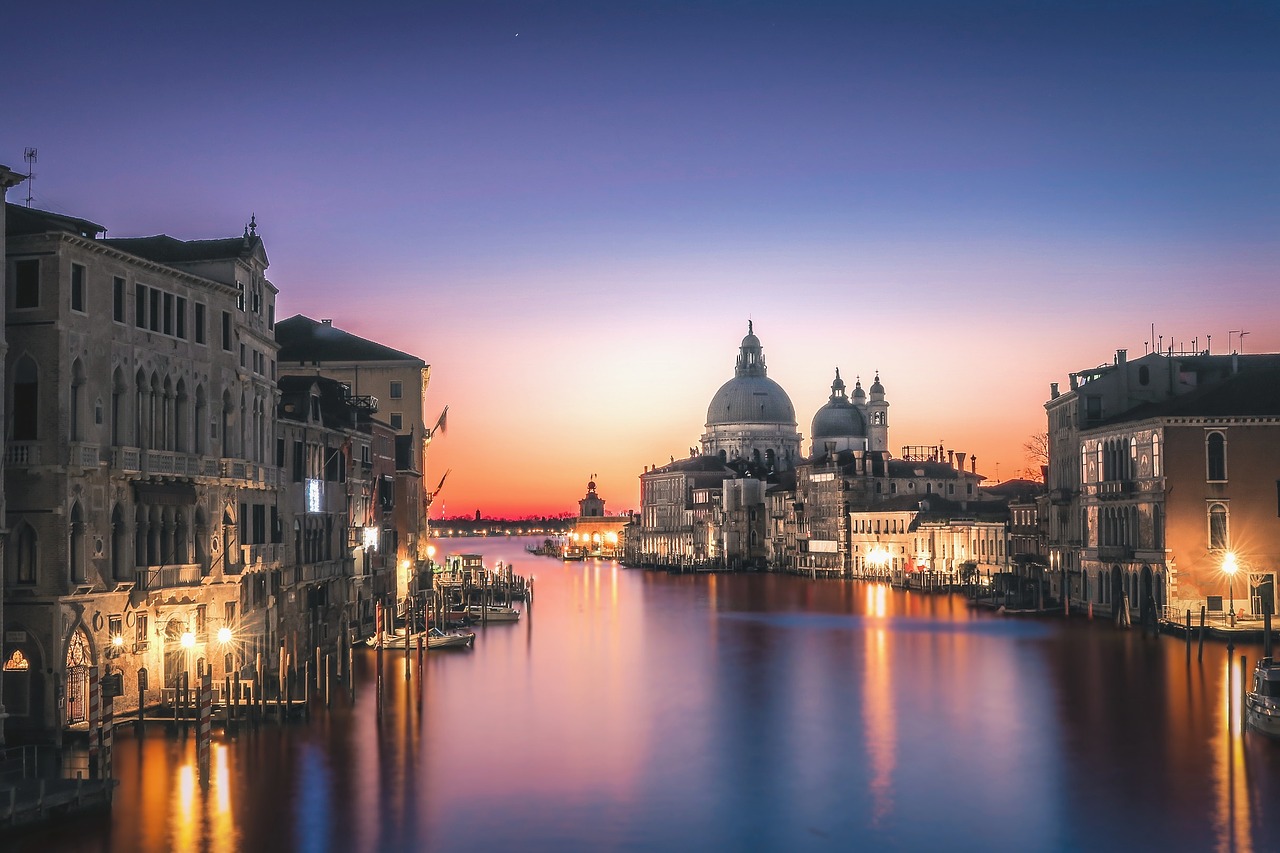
{"type": "Point", "coordinates": [140, 391]}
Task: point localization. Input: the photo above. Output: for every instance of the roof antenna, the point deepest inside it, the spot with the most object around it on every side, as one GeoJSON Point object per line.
{"type": "Point", "coordinates": [30, 155]}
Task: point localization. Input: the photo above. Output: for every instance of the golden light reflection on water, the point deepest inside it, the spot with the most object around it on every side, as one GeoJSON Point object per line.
{"type": "Point", "coordinates": [1230, 773]}
{"type": "Point", "coordinates": [605, 706]}
{"type": "Point", "coordinates": [184, 821]}
{"type": "Point", "coordinates": [878, 720]}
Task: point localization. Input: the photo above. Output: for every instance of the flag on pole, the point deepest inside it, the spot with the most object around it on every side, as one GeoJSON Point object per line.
{"type": "Point", "coordinates": [440, 424]}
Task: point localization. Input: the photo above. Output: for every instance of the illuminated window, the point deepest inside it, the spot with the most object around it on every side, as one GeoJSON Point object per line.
{"type": "Point", "coordinates": [17, 662]}
{"type": "Point", "coordinates": [1219, 533]}
{"type": "Point", "coordinates": [1155, 455]}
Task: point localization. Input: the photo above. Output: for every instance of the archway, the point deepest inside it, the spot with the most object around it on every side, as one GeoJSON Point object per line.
{"type": "Point", "coordinates": [1118, 599]}
{"type": "Point", "coordinates": [79, 656]}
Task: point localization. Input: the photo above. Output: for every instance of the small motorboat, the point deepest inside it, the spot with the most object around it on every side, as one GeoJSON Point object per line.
{"type": "Point", "coordinates": [482, 613]}
{"type": "Point", "coordinates": [396, 639]}
{"type": "Point", "coordinates": [1262, 702]}
{"type": "Point", "coordinates": [437, 639]}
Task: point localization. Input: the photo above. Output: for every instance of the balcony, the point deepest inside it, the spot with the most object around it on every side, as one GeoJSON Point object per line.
{"type": "Point", "coordinates": [82, 455]}
{"type": "Point", "coordinates": [1113, 489]}
{"type": "Point", "coordinates": [1061, 497]}
{"type": "Point", "coordinates": [163, 577]}
{"type": "Point", "coordinates": [251, 473]}
{"type": "Point", "coordinates": [1115, 553]}
{"type": "Point", "coordinates": [22, 454]}
{"type": "Point", "coordinates": [126, 459]}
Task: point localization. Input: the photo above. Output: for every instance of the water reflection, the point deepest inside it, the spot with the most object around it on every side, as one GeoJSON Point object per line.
{"type": "Point", "coordinates": [638, 711]}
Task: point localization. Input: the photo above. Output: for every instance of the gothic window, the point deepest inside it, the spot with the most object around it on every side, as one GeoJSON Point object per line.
{"type": "Point", "coordinates": [1155, 455]}
{"type": "Point", "coordinates": [24, 553]}
{"type": "Point", "coordinates": [75, 551]}
{"type": "Point", "coordinates": [1216, 451]}
{"type": "Point", "coordinates": [117, 544]}
{"type": "Point", "coordinates": [1219, 535]}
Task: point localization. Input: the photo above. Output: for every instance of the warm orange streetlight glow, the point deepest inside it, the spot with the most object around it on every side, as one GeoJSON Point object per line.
{"type": "Point", "coordinates": [224, 635]}
{"type": "Point", "coordinates": [1229, 566]}
{"type": "Point", "coordinates": [188, 640]}
{"type": "Point", "coordinates": [117, 641]}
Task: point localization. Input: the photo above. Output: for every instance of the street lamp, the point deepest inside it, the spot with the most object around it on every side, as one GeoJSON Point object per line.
{"type": "Point", "coordinates": [1229, 566]}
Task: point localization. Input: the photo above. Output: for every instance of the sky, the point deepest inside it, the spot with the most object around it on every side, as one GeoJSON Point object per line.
{"type": "Point", "coordinates": [571, 210]}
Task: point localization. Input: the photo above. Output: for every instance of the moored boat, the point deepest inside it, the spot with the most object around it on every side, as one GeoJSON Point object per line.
{"type": "Point", "coordinates": [396, 639]}
{"type": "Point", "coordinates": [484, 613]}
{"type": "Point", "coordinates": [1262, 702]}
{"type": "Point", "coordinates": [437, 639]}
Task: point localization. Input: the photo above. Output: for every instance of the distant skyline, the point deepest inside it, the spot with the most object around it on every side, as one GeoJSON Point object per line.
{"type": "Point", "coordinates": [572, 210]}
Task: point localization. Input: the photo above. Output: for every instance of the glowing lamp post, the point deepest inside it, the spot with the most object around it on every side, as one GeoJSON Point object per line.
{"type": "Point", "coordinates": [224, 635]}
{"type": "Point", "coordinates": [1229, 566]}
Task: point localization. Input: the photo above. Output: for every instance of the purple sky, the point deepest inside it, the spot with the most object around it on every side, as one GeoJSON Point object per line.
{"type": "Point", "coordinates": [571, 210]}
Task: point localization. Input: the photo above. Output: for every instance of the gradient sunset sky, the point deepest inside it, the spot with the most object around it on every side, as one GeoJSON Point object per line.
{"type": "Point", "coordinates": [571, 210]}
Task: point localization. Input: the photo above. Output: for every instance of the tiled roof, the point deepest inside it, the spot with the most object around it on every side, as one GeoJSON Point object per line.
{"type": "Point", "coordinates": [26, 220]}
{"type": "Point", "coordinates": [1250, 393]}
{"type": "Point", "coordinates": [305, 340]}
{"type": "Point", "coordinates": [170, 250]}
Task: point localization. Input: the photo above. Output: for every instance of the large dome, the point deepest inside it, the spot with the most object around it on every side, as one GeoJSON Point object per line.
{"type": "Point", "coordinates": [751, 400]}
{"type": "Point", "coordinates": [751, 397]}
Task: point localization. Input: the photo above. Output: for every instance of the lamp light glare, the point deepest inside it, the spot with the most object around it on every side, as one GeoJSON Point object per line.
{"type": "Point", "coordinates": [188, 640]}
{"type": "Point", "coordinates": [224, 635]}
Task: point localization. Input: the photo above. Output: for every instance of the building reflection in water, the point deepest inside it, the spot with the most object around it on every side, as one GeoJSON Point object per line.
{"type": "Point", "coordinates": [739, 711]}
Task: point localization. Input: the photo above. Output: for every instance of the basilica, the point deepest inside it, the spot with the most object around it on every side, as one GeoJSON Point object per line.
{"type": "Point", "coordinates": [748, 498]}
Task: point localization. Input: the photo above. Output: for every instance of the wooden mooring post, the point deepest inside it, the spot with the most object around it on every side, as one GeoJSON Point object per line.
{"type": "Point", "coordinates": [1188, 636]}
{"type": "Point", "coordinates": [1200, 647]}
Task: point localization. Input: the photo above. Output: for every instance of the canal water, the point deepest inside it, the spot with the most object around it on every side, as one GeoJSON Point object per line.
{"type": "Point", "coordinates": [632, 710]}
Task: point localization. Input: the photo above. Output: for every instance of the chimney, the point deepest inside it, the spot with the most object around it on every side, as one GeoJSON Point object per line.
{"type": "Point", "coordinates": [973, 464]}
{"type": "Point", "coordinates": [327, 322]}
{"type": "Point", "coordinates": [960, 460]}
{"type": "Point", "coordinates": [951, 458]}
{"type": "Point", "coordinates": [1122, 355]}
{"type": "Point", "coordinates": [1053, 390]}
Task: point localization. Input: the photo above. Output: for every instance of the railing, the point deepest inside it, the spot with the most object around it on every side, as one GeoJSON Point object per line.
{"type": "Point", "coordinates": [252, 555]}
{"type": "Point", "coordinates": [161, 577]}
{"type": "Point", "coordinates": [84, 455]}
{"type": "Point", "coordinates": [20, 454]}
{"type": "Point", "coordinates": [126, 459]}
{"type": "Point", "coordinates": [1109, 489]}
{"type": "Point", "coordinates": [1109, 553]}
{"type": "Point", "coordinates": [252, 472]}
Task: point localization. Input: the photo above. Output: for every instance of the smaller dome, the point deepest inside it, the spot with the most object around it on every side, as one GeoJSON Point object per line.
{"type": "Point", "coordinates": [838, 419]}
{"type": "Point", "coordinates": [876, 387]}
{"type": "Point", "coordinates": [858, 393]}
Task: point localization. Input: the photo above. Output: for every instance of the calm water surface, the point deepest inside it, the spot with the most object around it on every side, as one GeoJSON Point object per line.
{"type": "Point", "coordinates": [640, 711]}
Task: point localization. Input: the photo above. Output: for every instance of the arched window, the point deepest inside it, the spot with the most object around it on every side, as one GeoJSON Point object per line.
{"type": "Point", "coordinates": [118, 389]}
{"type": "Point", "coordinates": [141, 433]}
{"type": "Point", "coordinates": [26, 400]}
{"type": "Point", "coordinates": [140, 526]}
{"type": "Point", "coordinates": [77, 400]}
{"type": "Point", "coordinates": [117, 544]}
{"type": "Point", "coordinates": [1219, 534]}
{"type": "Point", "coordinates": [1155, 455]}
{"type": "Point", "coordinates": [24, 554]}
{"type": "Point", "coordinates": [1216, 451]}
{"type": "Point", "coordinates": [180, 425]}
{"type": "Point", "coordinates": [75, 551]}
{"type": "Point", "coordinates": [201, 413]}
{"type": "Point", "coordinates": [1084, 464]}
{"type": "Point", "coordinates": [202, 540]}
